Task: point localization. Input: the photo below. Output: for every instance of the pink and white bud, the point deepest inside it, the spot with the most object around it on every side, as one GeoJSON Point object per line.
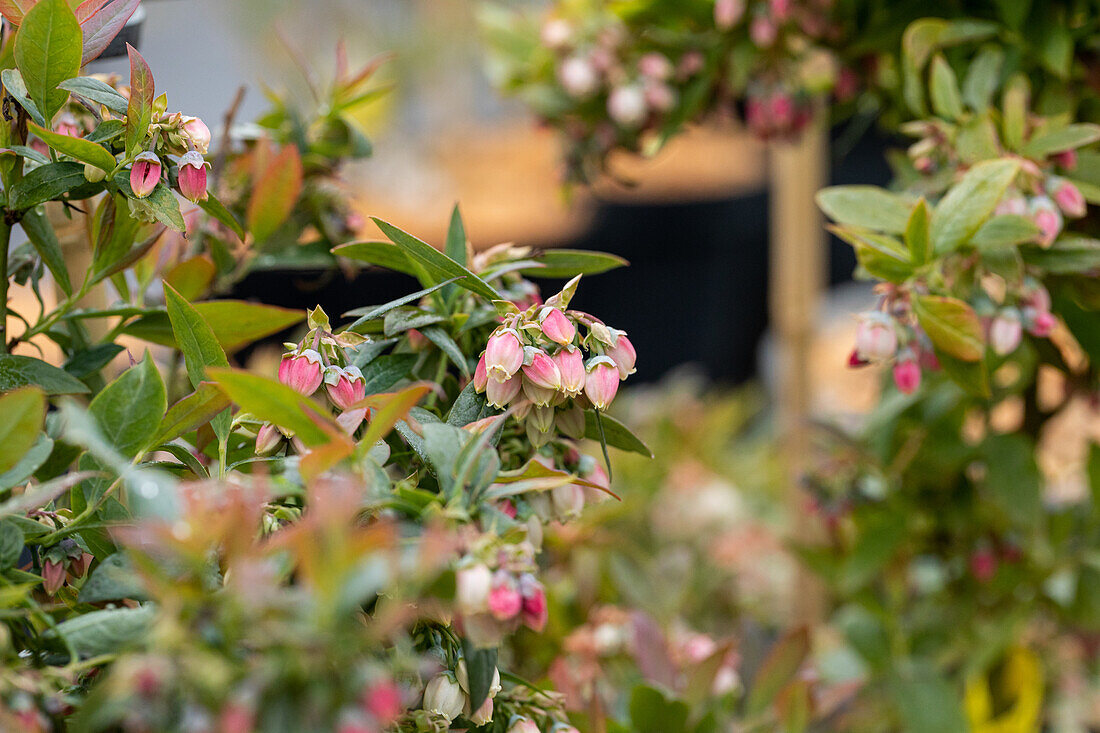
{"type": "Point", "coordinates": [598, 476]}
{"type": "Point", "coordinates": [53, 576]}
{"type": "Point", "coordinates": [556, 33]}
{"type": "Point", "coordinates": [268, 440]}
{"type": "Point", "coordinates": [537, 396]}
{"type": "Point", "coordinates": [655, 66]}
{"type": "Point", "coordinates": [1005, 332]}
{"type": "Point", "coordinates": [570, 422]}
{"type": "Point", "coordinates": [472, 585]}
{"type": "Point", "coordinates": [780, 9]}
{"type": "Point", "coordinates": [570, 365]}
{"type": "Point", "coordinates": [481, 375]}
{"type": "Point", "coordinates": [345, 386]}
{"type": "Point", "coordinates": [145, 174]}
{"type": "Point", "coordinates": [602, 382]}
{"type": "Point", "coordinates": [463, 677]}
{"type": "Point", "coordinates": [624, 356]}
{"type": "Point", "coordinates": [499, 394]}
{"type": "Point", "coordinates": [383, 701]}
{"type": "Point", "coordinates": [444, 697]}
{"type": "Point", "coordinates": [302, 372]}
{"type": "Point", "coordinates": [192, 176]}
{"type": "Point", "coordinates": [198, 133]}
{"type": "Point", "coordinates": [1066, 160]}
{"type": "Point", "coordinates": [763, 31]}
{"type": "Point", "coordinates": [350, 420]}
{"type": "Point", "coordinates": [503, 354]}
{"type": "Point", "coordinates": [1039, 323]}
{"type": "Point", "coordinates": [568, 501]}
{"type": "Point", "coordinates": [626, 105]}
{"type": "Point", "coordinates": [556, 326]}
{"type": "Point", "coordinates": [659, 97]}
{"type": "Point", "coordinates": [691, 63]}
{"type": "Point", "coordinates": [237, 717]}
{"type": "Point", "coordinates": [1047, 217]}
{"type": "Point", "coordinates": [907, 375]}
{"type": "Point", "coordinates": [876, 339]}
{"type": "Point", "coordinates": [578, 77]}
{"type": "Point", "coordinates": [523, 725]}
{"type": "Point", "coordinates": [484, 714]}
{"type": "Point", "coordinates": [1013, 203]}
{"type": "Point", "coordinates": [535, 610]}
{"type": "Point", "coordinates": [1068, 197]}
{"type": "Point", "coordinates": [543, 371]}
{"type": "Point", "coordinates": [727, 13]}
{"type": "Point", "coordinates": [505, 601]}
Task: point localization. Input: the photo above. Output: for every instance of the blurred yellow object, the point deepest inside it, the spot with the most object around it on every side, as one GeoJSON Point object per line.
{"type": "Point", "coordinates": [1020, 683]}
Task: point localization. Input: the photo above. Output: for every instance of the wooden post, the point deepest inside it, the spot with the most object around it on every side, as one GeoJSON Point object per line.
{"type": "Point", "coordinates": [797, 262]}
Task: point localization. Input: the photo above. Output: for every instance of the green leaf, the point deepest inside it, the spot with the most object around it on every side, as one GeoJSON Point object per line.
{"type": "Point", "coordinates": [438, 265]}
{"type": "Point", "coordinates": [44, 240]}
{"type": "Point", "coordinates": [951, 325]}
{"type": "Point", "coordinates": [199, 346]}
{"type": "Point", "coordinates": [17, 88]}
{"type": "Point", "coordinates": [469, 407]}
{"type": "Point", "coordinates": [880, 255]}
{"type": "Point", "coordinates": [48, 48]}
{"type": "Point", "coordinates": [1016, 104]}
{"type": "Point", "coordinates": [193, 411]}
{"type": "Point", "coordinates": [565, 263]}
{"type": "Point", "coordinates": [982, 78]}
{"type": "Point", "coordinates": [457, 245]}
{"type": "Point", "coordinates": [235, 323]}
{"type": "Point", "coordinates": [1068, 256]}
{"type": "Point", "coordinates": [977, 140]}
{"type": "Point", "coordinates": [1065, 138]}
{"type": "Point", "coordinates": [139, 110]}
{"type": "Point", "coordinates": [31, 461]}
{"type": "Point", "coordinates": [275, 194]}
{"type": "Point", "coordinates": [880, 536]}
{"type": "Point", "coordinates": [129, 409]}
{"type": "Point", "coordinates": [165, 206]}
{"type": "Point", "coordinates": [108, 631]}
{"type": "Point", "coordinates": [369, 313]}
{"type": "Point", "coordinates": [385, 371]}
{"type": "Point", "coordinates": [380, 254]}
{"type": "Point", "coordinates": [46, 183]}
{"type": "Point", "coordinates": [1005, 230]}
{"type": "Point", "coordinates": [11, 543]}
{"type": "Point", "coordinates": [970, 202]}
{"type": "Point", "coordinates": [212, 206]}
{"type": "Point", "coordinates": [928, 703]}
{"type": "Point", "coordinates": [97, 91]}
{"type": "Point", "coordinates": [1012, 478]}
{"type": "Point", "coordinates": [19, 371]}
{"type": "Point", "coordinates": [24, 412]}
{"type": "Point", "coordinates": [972, 376]}
{"type": "Point", "coordinates": [114, 579]}
{"type": "Point", "coordinates": [447, 345]}
{"type": "Point", "coordinates": [916, 234]}
{"type": "Point", "coordinates": [77, 147]}
{"type": "Point", "coordinates": [868, 207]}
{"type": "Point", "coordinates": [617, 434]}
{"type": "Point", "coordinates": [652, 712]}
{"type": "Point", "coordinates": [274, 402]}
{"type": "Point", "coordinates": [944, 90]}
{"type": "Point", "coordinates": [481, 667]}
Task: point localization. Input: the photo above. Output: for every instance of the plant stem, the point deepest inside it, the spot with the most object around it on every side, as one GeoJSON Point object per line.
{"type": "Point", "coordinates": [5, 240]}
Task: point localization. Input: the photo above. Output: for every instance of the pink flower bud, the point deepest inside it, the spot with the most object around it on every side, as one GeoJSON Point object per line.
{"type": "Point", "coordinates": [383, 701]}
{"type": "Point", "coordinates": [762, 31]}
{"type": "Point", "coordinates": [481, 375]}
{"type": "Point", "coordinates": [571, 367]}
{"type": "Point", "coordinates": [484, 714]}
{"type": "Point", "coordinates": [53, 576]}
{"type": "Point", "coordinates": [503, 354]}
{"type": "Point", "coordinates": [578, 77]}
{"type": "Point", "coordinates": [855, 360]}
{"type": "Point", "coordinates": [80, 565]}
{"type": "Point", "coordinates": [499, 394]}
{"type": "Point", "coordinates": [907, 375]}
{"type": "Point", "coordinates": [1039, 323]}
{"type": "Point", "coordinates": [145, 174]}
{"type": "Point", "coordinates": [782, 110]}
{"type": "Point", "coordinates": [1067, 196]}
{"type": "Point", "coordinates": [346, 386]}
{"type": "Point", "coordinates": [557, 327]}
{"type": "Point", "coordinates": [1005, 332]}
{"type": "Point", "coordinates": [876, 339]}
{"type": "Point", "coordinates": [192, 176]}
{"type": "Point", "coordinates": [505, 601]}
{"type": "Point", "coordinates": [556, 33]}
{"type": "Point", "coordinates": [1047, 217]}
{"type": "Point", "coordinates": [472, 585]}
{"type": "Point", "coordinates": [598, 476]}
{"type": "Point", "coordinates": [727, 13]}
{"type": "Point", "coordinates": [624, 356]}
{"type": "Point", "coordinates": [659, 96]}
{"type": "Point", "coordinates": [236, 717]}
{"type": "Point", "coordinates": [268, 440]}
{"type": "Point", "coordinates": [626, 105]}
{"type": "Point", "coordinates": [302, 372]}
{"type": "Point", "coordinates": [1012, 204]}
{"type": "Point", "coordinates": [691, 63]}
{"type": "Point", "coordinates": [780, 9]}
{"type": "Point", "coordinates": [568, 501]}
{"type": "Point", "coordinates": [535, 611]}
{"type": "Point", "coordinates": [570, 422]}
{"type": "Point", "coordinates": [198, 133]}
{"type": "Point", "coordinates": [350, 420]}
{"type": "Point", "coordinates": [983, 565]}
{"type": "Point", "coordinates": [444, 697]}
{"type": "Point", "coordinates": [1066, 160]}
{"type": "Point", "coordinates": [602, 382]}
{"type": "Point", "coordinates": [655, 66]}
{"type": "Point", "coordinates": [543, 372]}
{"type": "Point", "coordinates": [523, 725]}
{"type": "Point", "coordinates": [542, 418]}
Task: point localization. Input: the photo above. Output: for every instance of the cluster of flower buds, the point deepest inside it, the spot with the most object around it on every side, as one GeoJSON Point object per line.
{"type": "Point", "coordinates": [147, 170]}
{"type": "Point", "coordinates": [64, 561]}
{"type": "Point", "coordinates": [496, 591]}
{"type": "Point", "coordinates": [883, 337]}
{"type": "Point", "coordinates": [542, 366]}
{"type": "Point", "coordinates": [447, 695]}
{"type": "Point", "coordinates": [564, 503]}
{"type": "Point", "coordinates": [774, 112]}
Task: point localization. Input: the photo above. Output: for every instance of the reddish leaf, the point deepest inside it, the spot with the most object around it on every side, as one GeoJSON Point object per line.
{"type": "Point", "coordinates": [142, 93]}
{"type": "Point", "coordinates": [88, 8]}
{"type": "Point", "coordinates": [15, 10]}
{"type": "Point", "coordinates": [275, 194]}
{"type": "Point", "coordinates": [102, 24]}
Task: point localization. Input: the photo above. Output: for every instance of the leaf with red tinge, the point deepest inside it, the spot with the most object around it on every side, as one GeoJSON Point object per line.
{"type": "Point", "coordinates": [952, 325]}
{"type": "Point", "coordinates": [102, 24]}
{"type": "Point", "coordinates": [271, 400]}
{"type": "Point", "coordinates": [387, 409]}
{"type": "Point", "coordinates": [139, 113]}
{"type": "Point", "coordinates": [778, 670]}
{"type": "Point", "coordinates": [15, 10]}
{"type": "Point", "coordinates": [275, 194]}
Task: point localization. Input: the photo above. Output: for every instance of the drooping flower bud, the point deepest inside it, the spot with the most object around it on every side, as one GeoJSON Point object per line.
{"type": "Point", "coordinates": [505, 601]}
{"type": "Point", "coordinates": [350, 420]}
{"type": "Point", "coordinates": [1005, 332]}
{"type": "Point", "coordinates": [53, 576]}
{"type": "Point", "coordinates": [472, 584]}
{"type": "Point", "coordinates": [556, 33]}
{"type": "Point", "coordinates": [444, 697]}
{"type": "Point", "coordinates": [537, 396]}
{"type": "Point", "coordinates": [145, 174]}
{"type": "Point", "coordinates": [659, 97]}
{"type": "Point", "coordinates": [570, 421]}
{"type": "Point", "coordinates": [571, 366]}
{"type": "Point", "coordinates": [94, 174]}
{"type": "Point", "coordinates": [463, 677]}
{"type": "Point", "coordinates": [907, 374]}
{"type": "Point", "coordinates": [302, 372]}
{"type": "Point", "coordinates": [762, 31]}
{"type": "Point", "coordinates": [543, 372]}
{"type": "Point", "coordinates": [383, 701]}
{"type": "Point", "coordinates": [345, 386]}
{"type": "Point", "coordinates": [556, 326]}
{"type": "Point", "coordinates": [655, 66]}
{"type": "Point", "coordinates": [1039, 323]}
{"type": "Point", "coordinates": [484, 714]}
{"type": "Point", "coordinates": [268, 440]}
{"type": "Point", "coordinates": [598, 476]}
{"type": "Point", "coordinates": [192, 176]}
{"type": "Point", "coordinates": [1047, 217]}
{"type": "Point", "coordinates": [1066, 160]}
{"type": "Point", "coordinates": [198, 133]}
{"type": "Point", "coordinates": [602, 382]}
{"type": "Point", "coordinates": [481, 375]}
{"type": "Point", "coordinates": [1012, 203]}
{"type": "Point", "coordinates": [523, 725]}
{"type": "Point", "coordinates": [626, 105]}
{"type": "Point", "coordinates": [499, 394]}
{"type": "Point", "coordinates": [503, 354]}
{"type": "Point", "coordinates": [727, 13]}
{"type": "Point", "coordinates": [624, 355]}
{"type": "Point", "coordinates": [578, 77]}
{"type": "Point", "coordinates": [568, 501]}
{"type": "Point", "coordinates": [1067, 196]}
{"type": "Point", "coordinates": [535, 611]}
{"type": "Point", "coordinates": [780, 9]}
{"type": "Point", "coordinates": [876, 339]}
{"type": "Point", "coordinates": [542, 418]}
